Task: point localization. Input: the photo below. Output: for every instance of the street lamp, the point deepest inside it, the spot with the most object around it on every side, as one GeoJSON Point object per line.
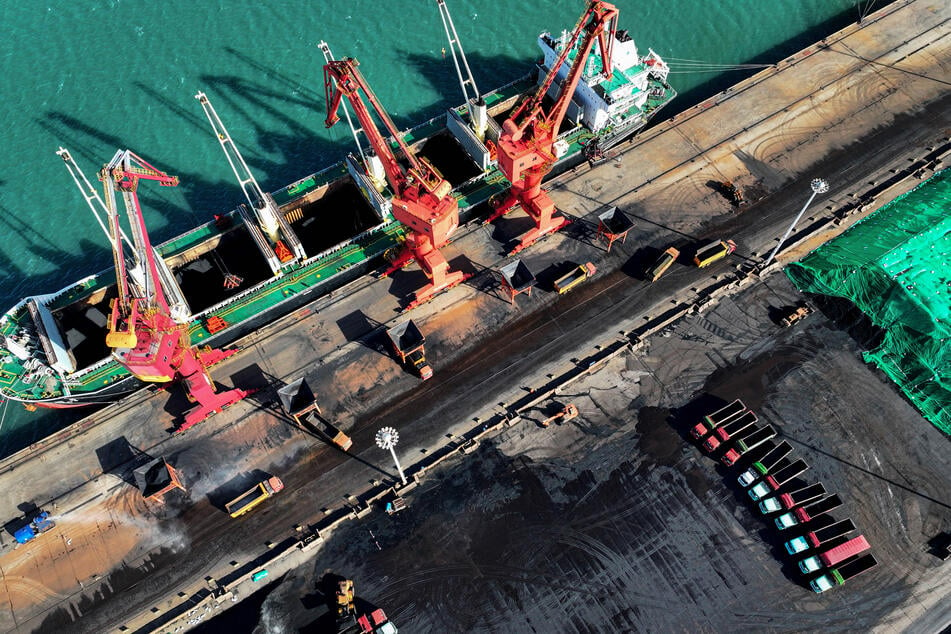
{"type": "Point", "coordinates": [387, 438]}
{"type": "Point", "coordinates": [818, 186]}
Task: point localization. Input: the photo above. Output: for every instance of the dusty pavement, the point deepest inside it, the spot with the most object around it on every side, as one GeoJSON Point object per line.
{"type": "Point", "coordinates": [123, 570]}
{"type": "Point", "coordinates": [617, 522]}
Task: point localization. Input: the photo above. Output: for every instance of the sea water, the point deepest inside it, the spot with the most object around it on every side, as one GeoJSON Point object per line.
{"type": "Point", "coordinates": [95, 76]}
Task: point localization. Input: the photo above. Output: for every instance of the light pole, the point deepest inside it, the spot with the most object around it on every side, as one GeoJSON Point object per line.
{"type": "Point", "coordinates": [818, 186]}
{"type": "Point", "coordinates": [387, 438]}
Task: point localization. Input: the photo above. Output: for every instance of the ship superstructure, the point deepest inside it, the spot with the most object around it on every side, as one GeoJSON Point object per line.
{"type": "Point", "coordinates": [612, 108]}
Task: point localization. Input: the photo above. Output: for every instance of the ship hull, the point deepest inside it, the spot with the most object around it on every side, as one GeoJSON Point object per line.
{"type": "Point", "coordinates": [52, 347]}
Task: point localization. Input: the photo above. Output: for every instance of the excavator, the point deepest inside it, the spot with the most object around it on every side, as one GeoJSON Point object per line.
{"type": "Point", "coordinates": [141, 330]}
{"type": "Point", "coordinates": [422, 199]}
{"type": "Point", "coordinates": [527, 144]}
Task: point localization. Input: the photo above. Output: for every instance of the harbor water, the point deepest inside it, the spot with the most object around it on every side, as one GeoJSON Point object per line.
{"type": "Point", "coordinates": [97, 76]}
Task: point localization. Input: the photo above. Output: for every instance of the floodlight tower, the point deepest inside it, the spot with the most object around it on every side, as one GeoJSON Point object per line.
{"type": "Point", "coordinates": [387, 438]}
{"type": "Point", "coordinates": [818, 186]}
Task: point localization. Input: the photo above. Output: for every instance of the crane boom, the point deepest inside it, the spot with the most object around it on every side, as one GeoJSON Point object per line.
{"type": "Point", "coordinates": [422, 198]}
{"type": "Point", "coordinates": [527, 143]}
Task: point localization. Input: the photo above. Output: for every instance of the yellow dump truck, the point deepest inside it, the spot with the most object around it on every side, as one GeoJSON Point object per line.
{"type": "Point", "coordinates": [662, 264]}
{"type": "Point", "coordinates": [574, 277]}
{"type": "Point", "coordinates": [249, 499]}
{"type": "Point", "coordinates": [713, 251]}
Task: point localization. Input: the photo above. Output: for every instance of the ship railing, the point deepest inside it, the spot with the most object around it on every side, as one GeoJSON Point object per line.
{"type": "Point", "coordinates": [181, 238]}
{"type": "Point", "coordinates": [352, 241]}
{"type": "Point", "coordinates": [237, 298]}
{"type": "Point", "coordinates": [76, 377]}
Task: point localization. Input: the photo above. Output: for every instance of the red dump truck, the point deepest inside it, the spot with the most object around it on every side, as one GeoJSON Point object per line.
{"type": "Point", "coordinates": [808, 512]}
{"type": "Point", "coordinates": [762, 466]}
{"type": "Point", "coordinates": [726, 432]}
{"type": "Point", "coordinates": [777, 478]}
{"type": "Point", "coordinates": [786, 501]}
{"type": "Point", "coordinates": [829, 558]}
{"type": "Point", "coordinates": [717, 418]}
{"type": "Point", "coordinates": [745, 442]}
{"type": "Point", "coordinates": [838, 575]}
{"type": "Point", "coordinates": [816, 538]}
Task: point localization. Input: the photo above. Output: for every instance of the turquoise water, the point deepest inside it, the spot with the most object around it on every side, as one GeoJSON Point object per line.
{"type": "Point", "coordinates": [95, 76]}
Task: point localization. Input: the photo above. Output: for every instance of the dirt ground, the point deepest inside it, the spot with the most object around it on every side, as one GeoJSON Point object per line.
{"type": "Point", "coordinates": [616, 521]}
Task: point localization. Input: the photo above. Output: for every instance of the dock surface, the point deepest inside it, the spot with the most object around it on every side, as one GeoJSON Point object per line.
{"type": "Point", "coordinates": [867, 109]}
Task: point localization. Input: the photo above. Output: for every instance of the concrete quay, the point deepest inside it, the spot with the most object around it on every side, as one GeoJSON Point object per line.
{"type": "Point", "coordinates": [867, 109]}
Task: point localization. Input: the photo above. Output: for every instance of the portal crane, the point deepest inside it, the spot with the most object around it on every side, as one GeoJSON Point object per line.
{"type": "Point", "coordinates": [526, 146]}
{"type": "Point", "coordinates": [143, 336]}
{"type": "Point", "coordinates": [422, 198]}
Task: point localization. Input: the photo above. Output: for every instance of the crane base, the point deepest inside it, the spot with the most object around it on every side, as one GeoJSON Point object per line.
{"type": "Point", "coordinates": [425, 294]}
{"type": "Point", "coordinates": [404, 258]}
{"type": "Point", "coordinates": [204, 410]}
{"type": "Point", "coordinates": [536, 234]}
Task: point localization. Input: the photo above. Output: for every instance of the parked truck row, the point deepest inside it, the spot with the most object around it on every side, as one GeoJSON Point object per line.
{"type": "Point", "coordinates": [773, 482]}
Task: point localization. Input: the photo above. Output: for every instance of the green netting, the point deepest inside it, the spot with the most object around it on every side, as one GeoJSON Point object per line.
{"type": "Point", "coordinates": [894, 266]}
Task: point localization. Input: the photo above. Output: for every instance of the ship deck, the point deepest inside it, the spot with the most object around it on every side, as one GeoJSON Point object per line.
{"type": "Point", "coordinates": [493, 358]}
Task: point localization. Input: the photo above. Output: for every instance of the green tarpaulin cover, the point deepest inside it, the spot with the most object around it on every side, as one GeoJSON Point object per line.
{"type": "Point", "coordinates": [896, 267]}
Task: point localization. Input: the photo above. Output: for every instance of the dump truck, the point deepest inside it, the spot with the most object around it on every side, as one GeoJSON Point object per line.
{"type": "Point", "coordinates": [746, 441]}
{"type": "Point", "coordinates": [773, 481]}
{"type": "Point", "coordinates": [40, 523]}
{"type": "Point", "coordinates": [344, 603]}
{"type": "Point", "coordinates": [299, 402]}
{"type": "Point", "coordinates": [663, 263]}
{"type": "Point", "coordinates": [408, 343]}
{"type": "Point", "coordinates": [329, 430]}
{"type": "Point", "coordinates": [808, 512]}
{"type": "Point", "coordinates": [762, 466]}
{"type": "Point", "coordinates": [717, 418]}
{"type": "Point", "coordinates": [254, 496]}
{"type": "Point", "coordinates": [376, 622]}
{"type": "Point", "coordinates": [726, 432]}
{"type": "Point", "coordinates": [829, 558]}
{"type": "Point", "coordinates": [816, 538]}
{"type": "Point", "coordinates": [574, 277]}
{"type": "Point", "coordinates": [713, 251]}
{"type": "Point", "coordinates": [839, 575]}
{"type": "Point", "coordinates": [787, 501]}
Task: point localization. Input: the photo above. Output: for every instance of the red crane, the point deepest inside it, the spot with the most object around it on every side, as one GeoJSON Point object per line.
{"type": "Point", "coordinates": [143, 336]}
{"type": "Point", "coordinates": [526, 144]}
{"type": "Point", "coordinates": [422, 198]}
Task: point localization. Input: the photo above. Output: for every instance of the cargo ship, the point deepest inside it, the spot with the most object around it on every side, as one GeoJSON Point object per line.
{"type": "Point", "coordinates": [229, 281]}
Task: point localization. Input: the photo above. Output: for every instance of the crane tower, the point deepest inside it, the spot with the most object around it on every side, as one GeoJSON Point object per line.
{"type": "Point", "coordinates": [422, 198]}
{"type": "Point", "coordinates": [527, 144]}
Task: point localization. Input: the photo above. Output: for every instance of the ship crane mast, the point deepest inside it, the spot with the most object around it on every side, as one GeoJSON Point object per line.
{"type": "Point", "coordinates": [143, 336]}
{"type": "Point", "coordinates": [422, 199]}
{"type": "Point", "coordinates": [526, 145]}
{"type": "Point", "coordinates": [179, 309]}
{"type": "Point", "coordinates": [478, 118]}
{"type": "Point", "coordinates": [270, 219]}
